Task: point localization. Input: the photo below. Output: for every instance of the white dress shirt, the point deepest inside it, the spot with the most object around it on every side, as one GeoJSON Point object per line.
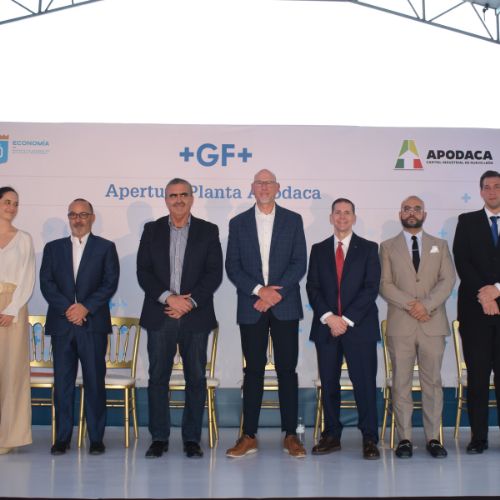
{"type": "Point", "coordinates": [265, 223]}
{"type": "Point", "coordinates": [345, 247]}
{"type": "Point", "coordinates": [409, 242]}
{"type": "Point", "coordinates": [78, 248]}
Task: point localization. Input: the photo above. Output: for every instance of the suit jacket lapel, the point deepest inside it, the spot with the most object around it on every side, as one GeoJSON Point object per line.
{"type": "Point", "coordinates": [251, 227]}
{"type": "Point", "coordinates": [68, 257]}
{"type": "Point", "coordinates": [485, 228]}
{"type": "Point", "coordinates": [350, 258]}
{"type": "Point", "coordinates": [426, 250]}
{"type": "Point", "coordinates": [402, 248]}
{"type": "Point", "coordinates": [278, 226]}
{"type": "Point", "coordinates": [194, 230]}
{"type": "Point", "coordinates": [87, 254]}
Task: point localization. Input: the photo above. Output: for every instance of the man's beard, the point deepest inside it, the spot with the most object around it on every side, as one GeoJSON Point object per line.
{"type": "Point", "coordinates": [412, 225]}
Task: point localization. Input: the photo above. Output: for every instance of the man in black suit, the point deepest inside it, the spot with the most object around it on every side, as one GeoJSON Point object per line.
{"type": "Point", "coordinates": [342, 286]}
{"type": "Point", "coordinates": [477, 258]}
{"type": "Point", "coordinates": [78, 277]}
{"type": "Point", "coordinates": [179, 267]}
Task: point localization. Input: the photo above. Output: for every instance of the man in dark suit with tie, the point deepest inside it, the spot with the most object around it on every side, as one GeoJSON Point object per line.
{"type": "Point", "coordinates": [266, 258]}
{"type": "Point", "coordinates": [477, 258]}
{"type": "Point", "coordinates": [342, 286]}
{"type": "Point", "coordinates": [179, 267]}
{"type": "Point", "coordinates": [78, 277]}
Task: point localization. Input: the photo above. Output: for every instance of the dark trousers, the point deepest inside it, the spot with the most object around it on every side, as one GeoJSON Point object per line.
{"type": "Point", "coordinates": [361, 360]}
{"type": "Point", "coordinates": [481, 346]}
{"type": "Point", "coordinates": [254, 340]}
{"type": "Point", "coordinates": [162, 346]}
{"type": "Point", "coordinates": [90, 349]}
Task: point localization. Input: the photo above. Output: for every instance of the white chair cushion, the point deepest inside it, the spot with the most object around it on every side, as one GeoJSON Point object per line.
{"type": "Point", "coordinates": [117, 379]}
{"type": "Point", "coordinates": [178, 380]}
{"type": "Point", "coordinates": [41, 378]}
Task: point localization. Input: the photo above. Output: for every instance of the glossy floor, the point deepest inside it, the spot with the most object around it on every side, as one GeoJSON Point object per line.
{"type": "Point", "coordinates": [125, 473]}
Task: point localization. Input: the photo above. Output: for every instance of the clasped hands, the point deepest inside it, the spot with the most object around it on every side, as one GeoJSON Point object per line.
{"type": "Point", "coordinates": [418, 311]}
{"type": "Point", "coordinates": [268, 297]}
{"type": "Point", "coordinates": [178, 305]}
{"type": "Point", "coordinates": [338, 325]}
{"type": "Point", "coordinates": [76, 314]}
{"type": "Point", "coordinates": [487, 296]}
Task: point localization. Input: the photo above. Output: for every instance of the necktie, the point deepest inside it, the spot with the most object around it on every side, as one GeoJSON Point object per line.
{"type": "Point", "coordinates": [339, 264]}
{"type": "Point", "coordinates": [494, 229]}
{"type": "Point", "coordinates": [414, 253]}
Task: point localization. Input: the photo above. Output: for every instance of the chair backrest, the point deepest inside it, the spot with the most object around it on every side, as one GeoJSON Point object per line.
{"type": "Point", "coordinates": [457, 342]}
{"type": "Point", "coordinates": [387, 357]}
{"type": "Point", "coordinates": [211, 355]}
{"type": "Point", "coordinates": [40, 345]}
{"type": "Point", "coordinates": [270, 365]}
{"type": "Point", "coordinates": [123, 344]}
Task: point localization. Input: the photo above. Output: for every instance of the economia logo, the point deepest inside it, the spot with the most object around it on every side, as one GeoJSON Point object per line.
{"type": "Point", "coordinates": [4, 148]}
{"type": "Point", "coordinates": [408, 157]}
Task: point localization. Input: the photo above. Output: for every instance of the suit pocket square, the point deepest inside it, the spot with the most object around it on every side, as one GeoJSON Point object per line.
{"type": "Point", "coordinates": [434, 249]}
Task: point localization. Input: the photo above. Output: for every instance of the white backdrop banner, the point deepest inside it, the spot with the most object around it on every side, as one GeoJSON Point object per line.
{"type": "Point", "coordinates": [123, 169]}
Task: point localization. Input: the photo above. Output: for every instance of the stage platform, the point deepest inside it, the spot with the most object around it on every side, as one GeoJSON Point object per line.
{"type": "Point", "coordinates": [31, 472]}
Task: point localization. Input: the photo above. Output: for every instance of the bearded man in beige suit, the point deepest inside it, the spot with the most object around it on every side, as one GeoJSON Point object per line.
{"type": "Point", "coordinates": [417, 278]}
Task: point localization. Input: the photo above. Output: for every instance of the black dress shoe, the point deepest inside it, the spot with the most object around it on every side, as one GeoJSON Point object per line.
{"type": "Point", "coordinates": [477, 446]}
{"type": "Point", "coordinates": [404, 449]}
{"type": "Point", "coordinates": [327, 444]}
{"type": "Point", "coordinates": [97, 448]}
{"type": "Point", "coordinates": [59, 448]}
{"type": "Point", "coordinates": [156, 449]}
{"type": "Point", "coordinates": [370, 450]}
{"type": "Point", "coordinates": [436, 449]}
{"type": "Point", "coordinates": [192, 449]}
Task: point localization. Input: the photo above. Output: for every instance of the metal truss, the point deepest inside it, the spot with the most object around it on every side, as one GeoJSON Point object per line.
{"type": "Point", "coordinates": [17, 10]}
{"type": "Point", "coordinates": [476, 18]}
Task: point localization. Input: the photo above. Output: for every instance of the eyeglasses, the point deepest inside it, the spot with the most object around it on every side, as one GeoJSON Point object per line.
{"type": "Point", "coordinates": [81, 215]}
{"type": "Point", "coordinates": [175, 196]}
{"type": "Point", "coordinates": [416, 210]}
{"type": "Point", "coordinates": [264, 183]}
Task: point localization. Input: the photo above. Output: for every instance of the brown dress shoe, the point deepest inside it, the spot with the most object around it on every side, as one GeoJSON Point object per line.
{"type": "Point", "coordinates": [244, 446]}
{"type": "Point", "coordinates": [293, 447]}
{"type": "Point", "coordinates": [327, 444]}
{"type": "Point", "coordinates": [370, 450]}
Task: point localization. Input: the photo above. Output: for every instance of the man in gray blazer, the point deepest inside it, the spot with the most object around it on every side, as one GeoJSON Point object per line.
{"type": "Point", "coordinates": [266, 259]}
{"type": "Point", "coordinates": [417, 279]}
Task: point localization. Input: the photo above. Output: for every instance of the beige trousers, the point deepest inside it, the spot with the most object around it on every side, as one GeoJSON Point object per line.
{"type": "Point", "coordinates": [15, 392]}
{"type": "Point", "coordinates": [428, 351]}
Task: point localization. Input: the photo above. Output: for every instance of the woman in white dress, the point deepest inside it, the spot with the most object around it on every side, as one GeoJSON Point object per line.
{"type": "Point", "coordinates": [17, 278]}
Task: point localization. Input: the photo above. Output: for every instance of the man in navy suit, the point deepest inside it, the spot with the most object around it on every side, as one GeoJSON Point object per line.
{"type": "Point", "coordinates": [78, 277]}
{"type": "Point", "coordinates": [179, 267]}
{"type": "Point", "coordinates": [266, 258]}
{"type": "Point", "coordinates": [342, 285]}
{"type": "Point", "coordinates": [477, 258]}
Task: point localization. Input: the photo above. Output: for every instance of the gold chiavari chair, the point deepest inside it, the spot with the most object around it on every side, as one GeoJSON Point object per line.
{"type": "Point", "coordinates": [121, 365]}
{"type": "Point", "coordinates": [178, 383]}
{"type": "Point", "coordinates": [347, 401]}
{"type": "Point", "coordinates": [41, 367]}
{"type": "Point", "coordinates": [416, 388]}
{"type": "Point", "coordinates": [462, 378]}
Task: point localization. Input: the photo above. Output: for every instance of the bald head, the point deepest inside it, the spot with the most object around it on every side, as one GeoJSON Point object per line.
{"type": "Point", "coordinates": [413, 200]}
{"type": "Point", "coordinates": [264, 174]}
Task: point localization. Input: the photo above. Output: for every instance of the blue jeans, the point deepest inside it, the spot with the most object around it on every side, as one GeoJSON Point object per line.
{"type": "Point", "coordinates": [162, 346]}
